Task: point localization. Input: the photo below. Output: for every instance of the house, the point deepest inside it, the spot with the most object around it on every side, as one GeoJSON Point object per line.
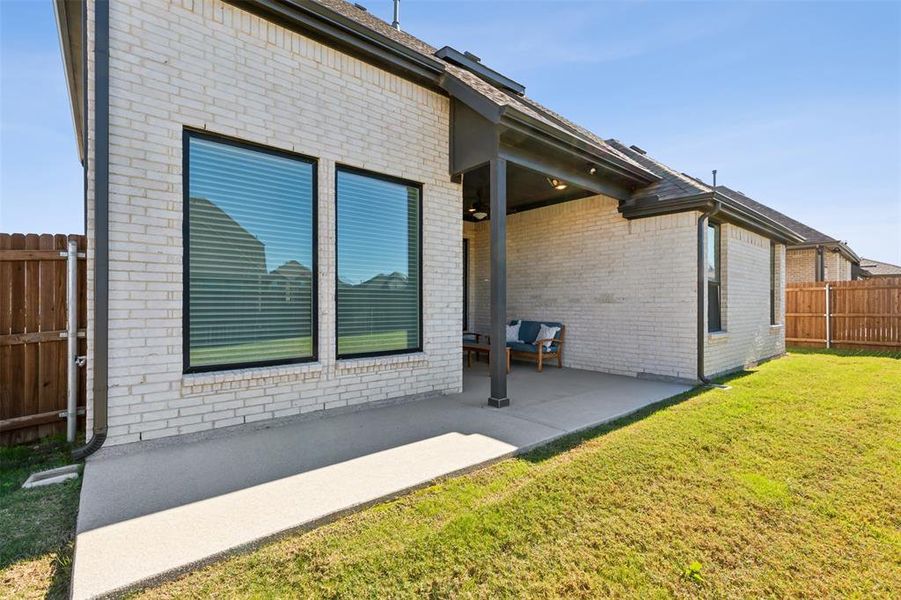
{"type": "Point", "coordinates": [874, 268]}
{"type": "Point", "coordinates": [819, 257]}
{"type": "Point", "coordinates": [276, 195]}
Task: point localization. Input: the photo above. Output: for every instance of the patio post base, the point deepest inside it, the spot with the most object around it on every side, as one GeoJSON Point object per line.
{"type": "Point", "coordinates": [499, 402]}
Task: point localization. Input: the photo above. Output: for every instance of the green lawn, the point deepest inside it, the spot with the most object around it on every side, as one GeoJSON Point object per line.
{"type": "Point", "coordinates": [787, 484]}
{"type": "Point", "coordinates": [37, 525]}
{"type": "Point", "coordinates": [294, 347]}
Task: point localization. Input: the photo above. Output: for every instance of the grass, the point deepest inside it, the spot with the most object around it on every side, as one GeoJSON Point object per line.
{"type": "Point", "coordinates": [785, 485]}
{"type": "Point", "coordinates": [36, 525]}
{"type": "Point", "coordinates": [294, 347]}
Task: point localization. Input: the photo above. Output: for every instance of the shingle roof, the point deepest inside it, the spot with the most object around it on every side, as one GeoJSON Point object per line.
{"type": "Point", "coordinates": [673, 183]}
{"type": "Point", "coordinates": [811, 235]}
{"type": "Point", "coordinates": [875, 267]}
{"type": "Point", "coordinates": [500, 97]}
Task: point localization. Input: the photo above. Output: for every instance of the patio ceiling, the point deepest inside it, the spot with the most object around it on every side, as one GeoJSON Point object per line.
{"type": "Point", "coordinates": [534, 155]}
{"type": "Point", "coordinates": [526, 189]}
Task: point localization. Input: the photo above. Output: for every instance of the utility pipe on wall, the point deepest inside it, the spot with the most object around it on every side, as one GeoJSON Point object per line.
{"type": "Point", "coordinates": [101, 229]}
{"type": "Point", "coordinates": [72, 339]}
{"type": "Point", "coordinates": [396, 22]}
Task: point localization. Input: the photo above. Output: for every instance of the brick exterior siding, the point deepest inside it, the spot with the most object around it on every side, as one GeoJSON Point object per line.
{"type": "Point", "coordinates": [802, 266]}
{"type": "Point", "coordinates": [627, 290]}
{"type": "Point", "coordinates": [208, 65]}
{"type": "Point", "coordinates": [747, 336]}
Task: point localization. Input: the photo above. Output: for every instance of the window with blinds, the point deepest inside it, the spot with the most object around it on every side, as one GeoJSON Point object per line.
{"type": "Point", "coordinates": [379, 248]}
{"type": "Point", "coordinates": [714, 280]}
{"type": "Point", "coordinates": [249, 255]}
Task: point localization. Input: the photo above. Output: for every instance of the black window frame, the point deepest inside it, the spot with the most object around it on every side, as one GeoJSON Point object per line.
{"type": "Point", "coordinates": [187, 135]}
{"type": "Point", "coordinates": [717, 282]}
{"type": "Point", "coordinates": [340, 167]}
{"type": "Point", "coordinates": [773, 283]}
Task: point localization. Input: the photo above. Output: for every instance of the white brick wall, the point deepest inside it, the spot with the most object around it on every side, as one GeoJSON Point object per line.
{"type": "Point", "coordinates": [838, 268]}
{"type": "Point", "coordinates": [802, 265]}
{"type": "Point", "coordinates": [627, 290]}
{"type": "Point", "coordinates": [747, 335]}
{"type": "Point", "coordinates": [209, 65]}
{"type": "Point", "coordinates": [624, 289]}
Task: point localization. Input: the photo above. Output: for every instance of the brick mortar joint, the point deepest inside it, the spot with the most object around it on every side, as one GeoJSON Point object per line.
{"type": "Point", "coordinates": [301, 372]}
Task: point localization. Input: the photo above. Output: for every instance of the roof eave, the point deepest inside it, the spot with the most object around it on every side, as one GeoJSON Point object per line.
{"type": "Point", "coordinates": [837, 245]}
{"type": "Point", "coordinates": [730, 211]}
{"type": "Point", "coordinates": [516, 119]}
{"type": "Point", "coordinates": [349, 35]}
{"type": "Point", "coordinates": [69, 26]}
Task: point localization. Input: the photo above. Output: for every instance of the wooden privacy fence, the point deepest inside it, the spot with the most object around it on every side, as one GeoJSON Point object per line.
{"type": "Point", "coordinates": [845, 314]}
{"type": "Point", "coordinates": [33, 356]}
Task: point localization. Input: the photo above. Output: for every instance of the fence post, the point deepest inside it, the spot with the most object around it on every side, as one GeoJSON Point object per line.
{"type": "Point", "coordinates": [828, 319]}
{"type": "Point", "coordinates": [72, 340]}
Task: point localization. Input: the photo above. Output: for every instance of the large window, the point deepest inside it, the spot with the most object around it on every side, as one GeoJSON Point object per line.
{"type": "Point", "coordinates": [250, 284]}
{"type": "Point", "coordinates": [772, 283]}
{"type": "Point", "coordinates": [379, 265]}
{"type": "Point", "coordinates": [714, 284]}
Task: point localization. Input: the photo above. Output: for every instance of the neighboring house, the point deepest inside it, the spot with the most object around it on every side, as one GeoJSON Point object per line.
{"type": "Point", "coordinates": [874, 268]}
{"type": "Point", "coordinates": [818, 258]}
{"type": "Point", "coordinates": [277, 190]}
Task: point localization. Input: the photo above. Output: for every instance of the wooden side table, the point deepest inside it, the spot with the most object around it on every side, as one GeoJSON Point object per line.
{"type": "Point", "coordinates": [477, 348]}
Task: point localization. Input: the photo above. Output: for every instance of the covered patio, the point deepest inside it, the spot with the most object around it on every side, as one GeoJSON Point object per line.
{"type": "Point", "coordinates": [153, 509]}
{"type": "Point", "coordinates": [512, 158]}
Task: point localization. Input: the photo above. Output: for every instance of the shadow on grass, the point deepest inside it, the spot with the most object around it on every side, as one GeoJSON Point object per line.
{"type": "Point", "coordinates": [39, 521]}
{"type": "Point", "coordinates": [566, 443]}
{"type": "Point", "coordinates": [853, 352]}
{"type": "Point", "coordinates": [62, 571]}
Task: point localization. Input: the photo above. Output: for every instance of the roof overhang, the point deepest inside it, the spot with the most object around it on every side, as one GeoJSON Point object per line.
{"type": "Point", "coordinates": [541, 141]}
{"type": "Point", "coordinates": [730, 211]}
{"type": "Point", "coordinates": [322, 23]}
{"type": "Point", "coordinates": [833, 245]}
{"type": "Point", "coordinates": [348, 35]}
{"type": "Point", "coordinates": [482, 130]}
{"type": "Point", "coordinates": [475, 66]}
{"type": "Point", "coordinates": [69, 21]}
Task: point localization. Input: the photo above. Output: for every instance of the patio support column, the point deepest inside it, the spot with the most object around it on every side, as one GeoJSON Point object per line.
{"type": "Point", "coordinates": [498, 193]}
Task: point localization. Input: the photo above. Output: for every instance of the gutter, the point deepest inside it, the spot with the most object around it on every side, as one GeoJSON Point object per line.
{"type": "Point", "coordinates": [835, 246]}
{"type": "Point", "coordinates": [820, 274]}
{"type": "Point", "coordinates": [732, 211]}
{"type": "Point", "coordinates": [101, 229]}
{"type": "Point", "coordinates": [520, 121]}
{"type": "Point", "coordinates": [703, 219]}
{"type": "Point", "coordinates": [351, 36]}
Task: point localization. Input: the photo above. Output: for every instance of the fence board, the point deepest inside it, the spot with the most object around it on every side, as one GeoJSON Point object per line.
{"type": "Point", "coordinates": [33, 357]}
{"type": "Point", "coordinates": [864, 313]}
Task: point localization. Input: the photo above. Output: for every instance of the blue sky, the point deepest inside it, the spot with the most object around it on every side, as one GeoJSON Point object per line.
{"type": "Point", "coordinates": [796, 104]}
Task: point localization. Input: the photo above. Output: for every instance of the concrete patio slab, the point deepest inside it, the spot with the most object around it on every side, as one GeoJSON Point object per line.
{"type": "Point", "coordinates": [161, 510]}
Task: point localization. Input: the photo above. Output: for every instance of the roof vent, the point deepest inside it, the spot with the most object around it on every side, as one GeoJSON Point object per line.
{"type": "Point", "coordinates": [473, 64]}
{"type": "Point", "coordinates": [637, 149]}
{"type": "Point", "coordinates": [361, 7]}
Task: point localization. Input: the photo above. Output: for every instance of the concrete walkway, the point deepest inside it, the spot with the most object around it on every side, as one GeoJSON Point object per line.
{"type": "Point", "coordinates": [165, 509]}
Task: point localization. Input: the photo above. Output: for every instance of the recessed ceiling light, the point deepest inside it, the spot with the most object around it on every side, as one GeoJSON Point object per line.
{"type": "Point", "coordinates": [592, 170]}
{"type": "Point", "coordinates": [556, 184]}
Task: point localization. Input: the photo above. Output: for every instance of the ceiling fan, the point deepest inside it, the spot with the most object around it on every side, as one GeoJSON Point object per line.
{"type": "Point", "coordinates": [478, 210]}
